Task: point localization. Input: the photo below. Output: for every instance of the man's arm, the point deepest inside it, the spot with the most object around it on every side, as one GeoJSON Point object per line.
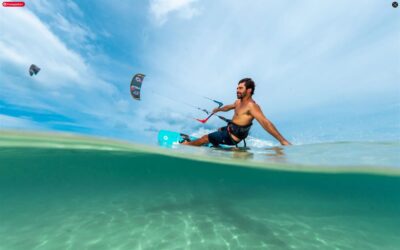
{"type": "Point", "coordinates": [225, 108]}
{"type": "Point", "coordinates": [256, 112]}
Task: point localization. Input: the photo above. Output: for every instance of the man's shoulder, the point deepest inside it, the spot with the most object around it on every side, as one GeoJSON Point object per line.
{"type": "Point", "coordinates": [253, 104]}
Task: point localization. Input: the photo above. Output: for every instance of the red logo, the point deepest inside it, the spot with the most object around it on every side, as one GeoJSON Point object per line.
{"type": "Point", "coordinates": [13, 4]}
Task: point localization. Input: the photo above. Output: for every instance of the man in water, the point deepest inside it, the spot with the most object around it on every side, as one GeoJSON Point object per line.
{"type": "Point", "coordinates": [238, 128]}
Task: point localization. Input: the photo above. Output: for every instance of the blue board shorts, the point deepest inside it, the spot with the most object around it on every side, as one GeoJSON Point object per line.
{"type": "Point", "coordinates": [221, 136]}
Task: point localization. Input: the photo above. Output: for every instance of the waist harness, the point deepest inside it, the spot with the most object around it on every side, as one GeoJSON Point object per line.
{"type": "Point", "coordinates": [240, 132]}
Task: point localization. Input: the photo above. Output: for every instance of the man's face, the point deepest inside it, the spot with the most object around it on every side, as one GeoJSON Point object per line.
{"type": "Point", "coordinates": [241, 91]}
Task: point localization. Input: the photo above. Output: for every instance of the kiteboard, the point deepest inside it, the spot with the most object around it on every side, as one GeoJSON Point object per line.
{"type": "Point", "coordinates": [170, 138]}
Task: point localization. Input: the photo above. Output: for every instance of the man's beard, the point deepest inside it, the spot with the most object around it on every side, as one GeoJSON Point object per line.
{"type": "Point", "coordinates": [240, 95]}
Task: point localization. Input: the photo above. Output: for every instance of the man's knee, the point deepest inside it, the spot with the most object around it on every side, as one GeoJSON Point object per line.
{"type": "Point", "coordinates": [204, 138]}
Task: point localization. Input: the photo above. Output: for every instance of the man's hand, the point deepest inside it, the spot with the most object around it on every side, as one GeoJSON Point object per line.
{"type": "Point", "coordinates": [286, 143]}
{"type": "Point", "coordinates": [216, 110]}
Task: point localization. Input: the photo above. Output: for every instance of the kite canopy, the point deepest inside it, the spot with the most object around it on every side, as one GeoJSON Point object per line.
{"type": "Point", "coordinates": [136, 85]}
{"type": "Point", "coordinates": [33, 69]}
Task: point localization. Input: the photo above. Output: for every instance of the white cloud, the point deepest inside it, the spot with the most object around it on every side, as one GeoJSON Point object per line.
{"type": "Point", "coordinates": [161, 9]}
{"type": "Point", "coordinates": [12, 122]}
{"type": "Point", "coordinates": [75, 8]}
{"type": "Point", "coordinates": [67, 20]}
{"type": "Point", "coordinates": [66, 84]}
{"type": "Point", "coordinates": [300, 54]}
{"type": "Point", "coordinates": [51, 8]}
{"type": "Point", "coordinates": [76, 33]}
{"type": "Point", "coordinates": [27, 40]}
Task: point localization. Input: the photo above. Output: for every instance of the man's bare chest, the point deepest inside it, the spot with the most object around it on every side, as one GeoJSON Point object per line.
{"type": "Point", "coordinates": [242, 110]}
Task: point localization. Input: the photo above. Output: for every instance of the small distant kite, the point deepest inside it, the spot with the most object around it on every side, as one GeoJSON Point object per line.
{"type": "Point", "coordinates": [136, 85]}
{"type": "Point", "coordinates": [33, 70]}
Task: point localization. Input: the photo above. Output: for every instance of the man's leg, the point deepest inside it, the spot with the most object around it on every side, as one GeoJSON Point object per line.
{"type": "Point", "coordinates": [203, 140]}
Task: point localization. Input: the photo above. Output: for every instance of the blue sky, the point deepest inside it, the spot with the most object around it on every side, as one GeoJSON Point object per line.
{"type": "Point", "coordinates": [324, 70]}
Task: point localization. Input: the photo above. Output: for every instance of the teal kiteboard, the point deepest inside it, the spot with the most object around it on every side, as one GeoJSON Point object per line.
{"type": "Point", "coordinates": [169, 138]}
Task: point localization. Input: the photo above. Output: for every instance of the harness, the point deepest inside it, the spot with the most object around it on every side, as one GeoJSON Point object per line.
{"type": "Point", "coordinates": [240, 132]}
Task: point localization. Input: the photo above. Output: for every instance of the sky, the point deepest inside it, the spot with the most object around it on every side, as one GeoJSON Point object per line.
{"type": "Point", "coordinates": [324, 70]}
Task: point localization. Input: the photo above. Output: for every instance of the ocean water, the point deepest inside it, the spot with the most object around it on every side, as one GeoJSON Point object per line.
{"type": "Point", "coordinates": [72, 192]}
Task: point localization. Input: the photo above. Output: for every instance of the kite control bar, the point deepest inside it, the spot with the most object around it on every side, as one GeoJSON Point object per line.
{"type": "Point", "coordinates": [220, 104]}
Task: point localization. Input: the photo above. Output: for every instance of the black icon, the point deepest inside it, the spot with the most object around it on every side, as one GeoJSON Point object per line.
{"type": "Point", "coordinates": [395, 4]}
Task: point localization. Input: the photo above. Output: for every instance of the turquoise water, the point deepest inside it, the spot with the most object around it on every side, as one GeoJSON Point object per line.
{"type": "Point", "coordinates": [69, 192]}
